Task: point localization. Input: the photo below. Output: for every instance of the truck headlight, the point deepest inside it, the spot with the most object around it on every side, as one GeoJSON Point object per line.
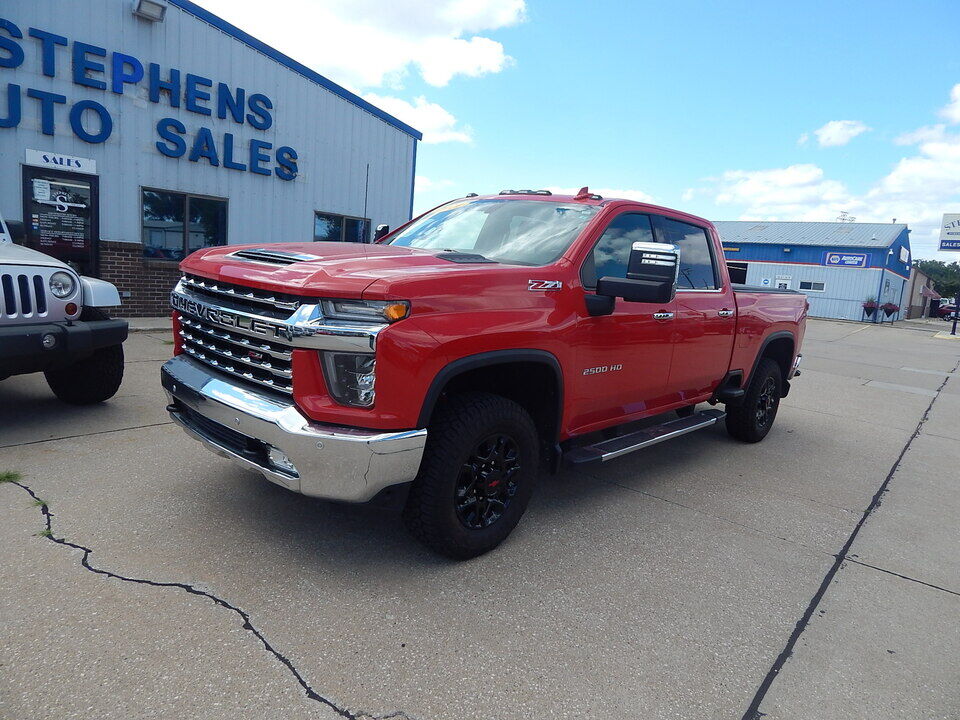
{"type": "Point", "coordinates": [366, 310]}
{"type": "Point", "coordinates": [62, 285]}
{"type": "Point", "coordinates": [350, 377]}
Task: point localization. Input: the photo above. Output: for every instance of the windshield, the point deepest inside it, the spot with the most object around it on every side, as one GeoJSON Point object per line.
{"type": "Point", "coordinates": [517, 232]}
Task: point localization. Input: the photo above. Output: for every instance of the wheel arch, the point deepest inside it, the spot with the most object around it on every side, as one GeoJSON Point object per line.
{"type": "Point", "coordinates": [779, 347]}
{"type": "Point", "coordinates": [532, 378]}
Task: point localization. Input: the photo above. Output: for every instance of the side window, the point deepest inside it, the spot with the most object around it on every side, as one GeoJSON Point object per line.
{"type": "Point", "coordinates": [611, 254]}
{"type": "Point", "coordinates": [696, 259]}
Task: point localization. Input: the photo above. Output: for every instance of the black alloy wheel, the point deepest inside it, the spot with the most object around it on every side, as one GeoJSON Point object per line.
{"type": "Point", "coordinates": [767, 401]}
{"type": "Point", "coordinates": [488, 481]}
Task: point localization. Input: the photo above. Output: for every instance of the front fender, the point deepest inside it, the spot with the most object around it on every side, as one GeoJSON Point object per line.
{"type": "Point", "coordinates": [99, 293]}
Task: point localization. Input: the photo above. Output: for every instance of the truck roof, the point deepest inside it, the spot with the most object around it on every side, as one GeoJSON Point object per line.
{"type": "Point", "coordinates": [584, 197]}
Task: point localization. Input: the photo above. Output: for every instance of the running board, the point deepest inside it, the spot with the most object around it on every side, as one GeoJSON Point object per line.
{"type": "Point", "coordinates": [615, 447]}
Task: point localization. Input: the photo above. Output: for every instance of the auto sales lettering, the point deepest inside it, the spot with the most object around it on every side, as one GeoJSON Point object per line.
{"type": "Point", "coordinates": [93, 67]}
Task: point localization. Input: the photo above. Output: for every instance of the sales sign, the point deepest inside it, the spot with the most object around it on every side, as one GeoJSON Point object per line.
{"type": "Point", "coordinates": [950, 232]}
{"type": "Point", "coordinates": [838, 259]}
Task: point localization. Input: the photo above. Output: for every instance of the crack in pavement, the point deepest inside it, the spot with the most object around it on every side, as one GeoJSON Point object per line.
{"type": "Point", "coordinates": [753, 710]}
{"type": "Point", "coordinates": [901, 576]}
{"type": "Point", "coordinates": [89, 434]}
{"type": "Point", "coordinates": [186, 587]}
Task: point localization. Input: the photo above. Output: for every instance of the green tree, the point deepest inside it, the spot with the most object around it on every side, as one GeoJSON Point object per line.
{"type": "Point", "coordinates": [946, 277]}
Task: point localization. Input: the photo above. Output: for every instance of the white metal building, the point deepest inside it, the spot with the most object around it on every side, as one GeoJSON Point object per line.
{"type": "Point", "coordinates": [838, 265]}
{"type": "Point", "coordinates": [126, 141]}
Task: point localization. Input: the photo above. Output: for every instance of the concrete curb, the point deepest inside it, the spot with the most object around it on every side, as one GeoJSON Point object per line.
{"type": "Point", "coordinates": [160, 324]}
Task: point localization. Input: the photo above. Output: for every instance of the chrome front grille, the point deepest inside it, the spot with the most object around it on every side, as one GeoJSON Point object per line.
{"type": "Point", "coordinates": [251, 333]}
{"type": "Point", "coordinates": [278, 305]}
{"type": "Point", "coordinates": [22, 296]}
{"type": "Point", "coordinates": [264, 363]}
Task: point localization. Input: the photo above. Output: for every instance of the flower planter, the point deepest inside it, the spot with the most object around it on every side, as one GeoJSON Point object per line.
{"type": "Point", "coordinates": [869, 310]}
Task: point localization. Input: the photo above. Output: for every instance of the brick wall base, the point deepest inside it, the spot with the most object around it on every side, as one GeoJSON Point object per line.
{"type": "Point", "coordinates": [147, 281]}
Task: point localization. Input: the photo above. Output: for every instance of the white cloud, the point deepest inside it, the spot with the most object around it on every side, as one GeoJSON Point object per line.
{"type": "Point", "coordinates": [638, 195]}
{"type": "Point", "coordinates": [797, 192]}
{"type": "Point", "coordinates": [375, 43]}
{"type": "Point", "coordinates": [436, 124]}
{"type": "Point", "coordinates": [916, 191]}
{"type": "Point", "coordinates": [425, 184]}
{"type": "Point", "coordinates": [802, 140]}
{"type": "Point", "coordinates": [839, 132]}
{"type": "Point", "coordinates": [951, 111]}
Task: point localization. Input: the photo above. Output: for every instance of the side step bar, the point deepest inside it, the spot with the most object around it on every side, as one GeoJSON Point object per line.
{"type": "Point", "coordinates": [615, 447]}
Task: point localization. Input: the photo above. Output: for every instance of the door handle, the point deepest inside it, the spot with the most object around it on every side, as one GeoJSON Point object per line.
{"type": "Point", "coordinates": [725, 313]}
{"type": "Point", "coordinates": [663, 316]}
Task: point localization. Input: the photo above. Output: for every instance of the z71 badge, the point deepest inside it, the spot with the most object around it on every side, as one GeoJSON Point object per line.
{"type": "Point", "coordinates": [544, 285]}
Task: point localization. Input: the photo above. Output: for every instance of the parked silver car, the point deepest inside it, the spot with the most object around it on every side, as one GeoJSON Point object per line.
{"type": "Point", "coordinates": [52, 320]}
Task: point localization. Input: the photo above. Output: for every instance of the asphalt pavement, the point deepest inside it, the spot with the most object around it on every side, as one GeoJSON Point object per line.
{"type": "Point", "coordinates": [813, 575]}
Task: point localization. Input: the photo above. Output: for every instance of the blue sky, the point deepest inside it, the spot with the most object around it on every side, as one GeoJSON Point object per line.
{"type": "Point", "coordinates": [710, 107]}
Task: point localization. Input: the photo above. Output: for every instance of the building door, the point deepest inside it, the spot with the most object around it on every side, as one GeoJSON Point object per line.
{"type": "Point", "coordinates": [61, 216]}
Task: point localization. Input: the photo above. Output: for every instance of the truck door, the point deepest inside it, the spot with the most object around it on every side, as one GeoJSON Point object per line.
{"type": "Point", "coordinates": [705, 320]}
{"type": "Point", "coordinates": [623, 359]}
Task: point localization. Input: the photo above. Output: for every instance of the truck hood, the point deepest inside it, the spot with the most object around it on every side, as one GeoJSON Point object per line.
{"type": "Point", "coordinates": [11, 254]}
{"type": "Point", "coordinates": [327, 269]}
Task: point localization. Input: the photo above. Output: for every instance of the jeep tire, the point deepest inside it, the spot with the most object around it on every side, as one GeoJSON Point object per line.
{"type": "Point", "coordinates": [95, 378]}
{"type": "Point", "coordinates": [478, 472]}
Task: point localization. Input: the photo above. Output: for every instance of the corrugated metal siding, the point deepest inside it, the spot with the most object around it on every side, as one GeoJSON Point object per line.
{"type": "Point", "coordinates": [844, 292]}
{"type": "Point", "coordinates": [335, 139]}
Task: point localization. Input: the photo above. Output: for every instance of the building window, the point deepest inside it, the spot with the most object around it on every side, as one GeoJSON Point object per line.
{"type": "Point", "coordinates": [738, 272]}
{"type": "Point", "coordinates": [812, 286]}
{"type": "Point", "coordinates": [176, 224]}
{"type": "Point", "coordinates": [340, 228]}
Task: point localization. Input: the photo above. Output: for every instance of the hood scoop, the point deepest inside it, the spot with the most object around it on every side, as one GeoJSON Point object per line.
{"type": "Point", "coordinates": [273, 257]}
{"type": "Point", "coordinates": [463, 257]}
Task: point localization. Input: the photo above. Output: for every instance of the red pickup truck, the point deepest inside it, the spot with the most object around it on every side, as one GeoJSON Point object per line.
{"type": "Point", "coordinates": [473, 348]}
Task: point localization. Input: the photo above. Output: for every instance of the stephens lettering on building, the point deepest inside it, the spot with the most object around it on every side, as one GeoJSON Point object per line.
{"type": "Point", "coordinates": [94, 68]}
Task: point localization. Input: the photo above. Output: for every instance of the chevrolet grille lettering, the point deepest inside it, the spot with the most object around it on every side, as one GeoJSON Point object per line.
{"type": "Point", "coordinates": [225, 318]}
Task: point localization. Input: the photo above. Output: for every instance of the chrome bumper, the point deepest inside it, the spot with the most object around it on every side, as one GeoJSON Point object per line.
{"type": "Point", "coordinates": [267, 433]}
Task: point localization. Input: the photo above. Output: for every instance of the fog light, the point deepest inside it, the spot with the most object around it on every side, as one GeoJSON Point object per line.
{"type": "Point", "coordinates": [281, 462]}
{"type": "Point", "coordinates": [49, 341]}
{"type": "Point", "coordinates": [351, 377]}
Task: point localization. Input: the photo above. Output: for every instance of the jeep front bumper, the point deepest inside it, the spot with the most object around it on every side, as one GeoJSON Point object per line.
{"type": "Point", "coordinates": [52, 345]}
{"type": "Point", "coordinates": [266, 432]}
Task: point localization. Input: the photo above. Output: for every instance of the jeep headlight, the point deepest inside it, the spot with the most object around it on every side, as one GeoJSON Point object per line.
{"type": "Point", "coordinates": [62, 285]}
{"type": "Point", "coordinates": [366, 310]}
{"type": "Point", "coordinates": [350, 377]}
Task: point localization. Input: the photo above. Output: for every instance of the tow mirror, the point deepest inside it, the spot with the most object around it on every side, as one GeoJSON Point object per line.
{"type": "Point", "coordinates": [381, 232]}
{"type": "Point", "coordinates": [651, 275]}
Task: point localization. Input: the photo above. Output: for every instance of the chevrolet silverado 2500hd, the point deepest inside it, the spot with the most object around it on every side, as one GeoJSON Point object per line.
{"type": "Point", "coordinates": [53, 320]}
{"type": "Point", "coordinates": [478, 344]}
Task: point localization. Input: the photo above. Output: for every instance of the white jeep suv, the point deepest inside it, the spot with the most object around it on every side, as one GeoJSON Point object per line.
{"type": "Point", "coordinates": [52, 321]}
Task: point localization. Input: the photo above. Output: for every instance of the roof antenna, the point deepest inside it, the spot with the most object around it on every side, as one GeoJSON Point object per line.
{"type": "Point", "coordinates": [585, 194]}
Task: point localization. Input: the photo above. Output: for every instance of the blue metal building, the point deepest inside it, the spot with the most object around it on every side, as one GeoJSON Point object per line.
{"type": "Point", "coordinates": [837, 265]}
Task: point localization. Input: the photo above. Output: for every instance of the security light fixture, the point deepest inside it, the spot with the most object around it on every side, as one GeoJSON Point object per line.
{"type": "Point", "coordinates": [152, 10]}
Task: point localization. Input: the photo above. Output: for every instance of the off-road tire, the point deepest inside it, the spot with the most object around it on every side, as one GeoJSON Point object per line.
{"type": "Point", "coordinates": [752, 420]}
{"type": "Point", "coordinates": [458, 428]}
{"type": "Point", "coordinates": [93, 379]}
